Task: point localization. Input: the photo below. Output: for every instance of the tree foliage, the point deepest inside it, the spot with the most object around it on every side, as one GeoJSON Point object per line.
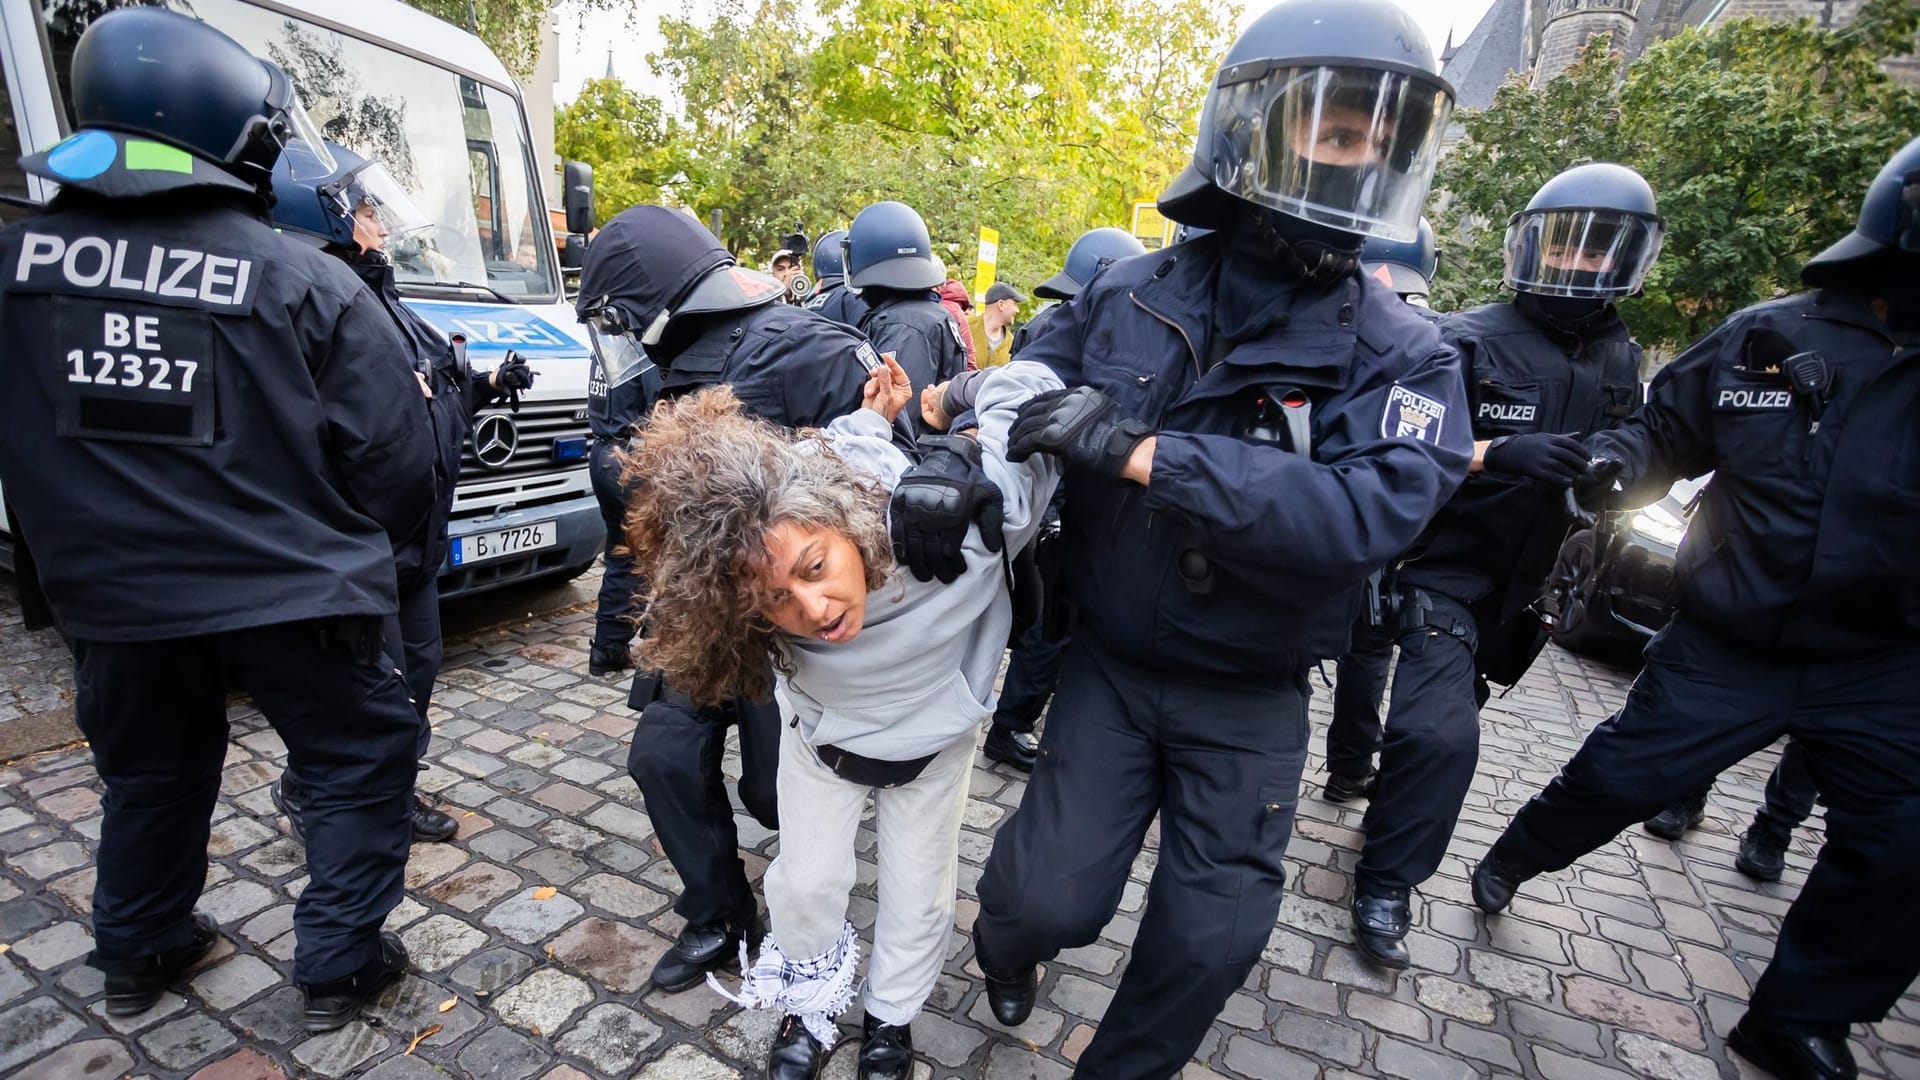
{"type": "Point", "coordinates": [626, 137]}
{"type": "Point", "coordinates": [511, 28]}
{"type": "Point", "coordinates": [1758, 137]}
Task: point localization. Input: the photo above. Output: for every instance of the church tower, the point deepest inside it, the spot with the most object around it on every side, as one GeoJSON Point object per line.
{"type": "Point", "coordinates": [1567, 25]}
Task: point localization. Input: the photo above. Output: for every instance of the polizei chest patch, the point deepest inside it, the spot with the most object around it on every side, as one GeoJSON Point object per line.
{"type": "Point", "coordinates": [1752, 398]}
{"type": "Point", "coordinates": [1411, 415]}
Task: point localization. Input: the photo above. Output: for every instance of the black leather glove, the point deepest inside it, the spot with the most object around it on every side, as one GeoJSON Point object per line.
{"type": "Point", "coordinates": [937, 501]}
{"type": "Point", "coordinates": [1082, 425]}
{"type": "Point", "coordinates": [512, 376]}
{"type": "Point", "coordinates": [1595, 485]}
{"type": "Point", "coordinates": [1556, 459]}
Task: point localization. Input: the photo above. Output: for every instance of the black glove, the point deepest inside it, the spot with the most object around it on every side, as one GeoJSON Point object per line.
{"type": "Point", "coordinates": [1081, 425]}
{"type": "Point", "coordinates": [1557, 459]}
{"type": "Point", "coordinates": [512, 376]}
{"type": "Point", "coordinates": [1595, 484]}
{"type": "Point", "coordinates": [936, 502]}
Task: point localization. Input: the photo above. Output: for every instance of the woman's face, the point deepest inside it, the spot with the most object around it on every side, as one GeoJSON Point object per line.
{"type": "Point", "coordinates": [368, 230]}
{"type": "Point", "coordinates": [817, 583]}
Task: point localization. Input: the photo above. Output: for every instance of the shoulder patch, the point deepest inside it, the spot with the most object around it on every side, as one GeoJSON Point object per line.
{"type": "Point", "coordinates": [954, 329]}
{"type": "Point", "coordinates": [864, 352]}
{"type": "Point", "coordinates": [1411, 415]}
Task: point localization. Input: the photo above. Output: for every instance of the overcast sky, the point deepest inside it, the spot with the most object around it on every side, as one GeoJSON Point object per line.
{"type": "Point", "coordinates": [586, 43]}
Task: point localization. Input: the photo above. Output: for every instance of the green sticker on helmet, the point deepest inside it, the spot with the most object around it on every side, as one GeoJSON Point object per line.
{"type": "Point", "coordinates": [144, 155]}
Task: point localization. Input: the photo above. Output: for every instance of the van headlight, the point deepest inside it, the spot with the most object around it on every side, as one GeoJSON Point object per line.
{"type": "Point", "coordinates": [1659, 524]}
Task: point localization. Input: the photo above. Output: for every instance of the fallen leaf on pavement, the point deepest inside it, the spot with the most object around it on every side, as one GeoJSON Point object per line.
{"type": "Point", "coordinates": [447, 1005]}
{"type": "Point", "coordinates": [418, 1039]}
{"type": "Point", "coordinates": [545, 892]}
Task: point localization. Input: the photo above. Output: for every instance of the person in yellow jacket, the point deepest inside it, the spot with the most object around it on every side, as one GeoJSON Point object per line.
{"type": "Point", "coordinates": [992, 325]}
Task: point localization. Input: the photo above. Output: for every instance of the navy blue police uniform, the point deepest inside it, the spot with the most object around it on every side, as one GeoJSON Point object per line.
{"type": "Point", "coordinates": [614, 413]}
{"type": "Point", "coordinates": [917, 329]}
{"type": "Point", "coordinates": [837, 302]}
{"type": "Point", "coordinates": [239, 407]}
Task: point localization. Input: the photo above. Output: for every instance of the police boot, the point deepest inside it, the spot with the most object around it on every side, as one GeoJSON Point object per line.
{"type": "Point", "coordinates": [431, 825]}
{"type": "Point", "coordinates": [1010, 994]}
{"type": "Point", "coordinates": [1495, 882]}
{"type": "Point", "coordinates": [700, 949]}
{"type": "Point", "coordinates": [1794, 1051]}
{"type": "Point", "coordinates": [288, 799]}
{"type": "Point", "coordinates": [334, 1004]}
{"type": "Point", "coordinates": [1762, 857]}
{"type": "Point", "coordinates": [1381, 918]}
{"type": "Point", "coordinates": [1348, 788]}
{"type": "Point", "coordinates": [1014, 749]}
{"type": "Point", "coordinates": [886, 1052]}
{"type": "Point", "coordinates": [134, 986]}
{"type": "Point", "coordinates": [796, 1054]}
{"type": "Point", "coordinates": [1673, 822]}
{"type": "Point", "coordinates": [608, 658]}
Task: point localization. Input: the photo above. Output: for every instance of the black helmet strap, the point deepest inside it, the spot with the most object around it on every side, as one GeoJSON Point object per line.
{"type": "Point", "coordinates": [1308, 252]}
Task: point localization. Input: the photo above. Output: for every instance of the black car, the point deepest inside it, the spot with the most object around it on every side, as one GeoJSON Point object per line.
{"type": "Point", "coordinates": [1612, 588]}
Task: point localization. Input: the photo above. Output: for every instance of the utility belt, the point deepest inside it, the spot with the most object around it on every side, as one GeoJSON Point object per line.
{"type": "Point", "coordinates": [871, 772]}
{"type": "Point", "coordinates": [1502, 650]}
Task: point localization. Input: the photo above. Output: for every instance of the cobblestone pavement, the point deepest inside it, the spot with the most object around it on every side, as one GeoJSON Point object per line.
{"type": "Point", "coordinates": [1635, 962]}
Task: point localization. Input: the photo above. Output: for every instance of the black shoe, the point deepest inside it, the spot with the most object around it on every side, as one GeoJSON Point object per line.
{"type": "Point", "coordinates": [1347, 788]}
{"type": "Point", "coordinates": [887, 1052]}
{"type": "Point", "coordinates": [430, 825]}
{"type": "Point", "coordinates": [1673, 822]}
{"type": "Point", "coordinates": [796, 1054]}
{"type": "Point", "coordinates": [700, 949]}
{"type": "Point", "coordinates": [133, 987]}
{"type": "Point", "coordinates": [1014, 749]}
{"type": "Point", "coordinates": [1011, 996]}
{"type": "Point", "coordinates": [334, 1004]}
{"type": "Point", "coordinates": [1759, 858]}
{"type": "Point", "coordinates": [607, 659]}
{"type": "Point", "coordinates": [1794, 1051]}
{"type": "Point", "coordinates": [1494, 884]}
{"type": "Point", "coordinates": [1381, 918]}
{"type": "Point", "coordinates": [290, 804]}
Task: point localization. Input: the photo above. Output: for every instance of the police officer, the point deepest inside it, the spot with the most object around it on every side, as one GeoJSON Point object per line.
{"type": "Point", "coordinates": [1798, 614]}
{"type": "Point", "coordinates": [1549, 367]}
{"type": "Point", "coordinates": [659, 290]}
{"type": "Point", "coordinates": [212, 438]}
{"type": "Point", "coordinates": [614, 411]}
{"type": "Point", "coordinates": [1252, 427]}
{"type": "Point", "coordinates": [889, 258]}
{"type": "Point", "coordinates": [1093, 249]}
{"type": "Point", "coordinates": [1786, 802]}
{"type": "Point", "coordinates": [354, 212]}
{"type": "Point", "coordinates": [1360, 675]}
{"type": "Point", "coordinates": [831, 296]}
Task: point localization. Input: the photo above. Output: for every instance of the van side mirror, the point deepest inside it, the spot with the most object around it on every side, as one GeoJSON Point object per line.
{"type": "Point", "coordinates": [578, 197]}
{"type": "Point", "coordinates": [573, 253]}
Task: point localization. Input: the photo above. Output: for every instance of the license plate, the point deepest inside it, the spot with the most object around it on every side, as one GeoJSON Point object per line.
{"type": "Point", "coordinates": [500, 543]}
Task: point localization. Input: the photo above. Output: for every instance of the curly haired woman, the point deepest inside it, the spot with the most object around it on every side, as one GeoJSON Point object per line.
{"type": "Point", "coordinates": [759, 543]}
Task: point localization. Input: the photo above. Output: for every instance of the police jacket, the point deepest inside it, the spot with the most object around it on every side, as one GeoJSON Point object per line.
{"type": "Point", "coordinates": [1807, 542]}
{"type": "Point", "coordinates": [920, 334]}
{"type": "Point", "coordinates": [839, 303]}
{"type": "Point", "coordinates": [1033, 327]}
{"type": "Point", "coordinates": [613, 412]}
{"type": "Point", "coordinates": [1283, 538]}
{"type": "Point", "coordinates": [1501, 533]}
{"type": "Point", "coordinates": [787, 365]}
{"type": "Point", "coordinates": [207, 425]}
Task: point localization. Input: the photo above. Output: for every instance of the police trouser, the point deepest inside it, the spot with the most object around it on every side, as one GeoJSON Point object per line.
{"type": "Point", "coordinates": [417, 630]}
{"type": "Point", "coordinates": [1031, 676]}
{"type": "Point", "coordinates": [1789, 797]}
{"type": "Point", "coordinates": [155, 714]}
{"type": "Point", "coordinates": [676, 757]}
{"type": "Point", "coordinates": [1219, 760]}
{"type": "Point", "coordinates": [613, 623]}
{"type": "Point", "coordinates": [1703, 703]}
{"type": "Point", "coordinates": [1360, 680]}
{"type": "Point", "coordinates": [1429, 748]}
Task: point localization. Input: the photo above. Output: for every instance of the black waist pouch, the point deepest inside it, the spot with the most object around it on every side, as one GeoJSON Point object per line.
{"type": "Point", "coordinates": [871, 772]}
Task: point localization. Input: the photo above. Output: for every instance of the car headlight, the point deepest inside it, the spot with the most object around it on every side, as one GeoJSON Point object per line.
{"type": "Point", "coordinates": [1660, 526]}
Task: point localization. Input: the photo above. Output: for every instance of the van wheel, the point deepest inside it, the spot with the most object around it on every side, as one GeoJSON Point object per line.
{"type": "Point", "coordinates": [1585, 626]}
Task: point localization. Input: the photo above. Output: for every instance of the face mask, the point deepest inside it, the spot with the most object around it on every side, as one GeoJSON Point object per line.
{"type": "Point", "coordinates": [1568, 313]}
{"type": "Point", "coordinates": [1297, 249]}
{"type": "Point", "coordinates": [1345, 187]}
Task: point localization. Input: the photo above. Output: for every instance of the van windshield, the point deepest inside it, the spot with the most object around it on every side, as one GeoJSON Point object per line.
{"type": "Point", "coordinates": [455, 144]}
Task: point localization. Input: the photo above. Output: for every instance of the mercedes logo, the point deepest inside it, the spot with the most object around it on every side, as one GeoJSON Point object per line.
{"type": "Point", "coordinates": [495, 438]}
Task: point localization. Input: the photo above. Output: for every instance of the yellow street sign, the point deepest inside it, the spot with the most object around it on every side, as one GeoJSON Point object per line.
{"type": "Point", "coordinates": [1150, 227]}
{"type": "Point", "coordinates": [986, 264]}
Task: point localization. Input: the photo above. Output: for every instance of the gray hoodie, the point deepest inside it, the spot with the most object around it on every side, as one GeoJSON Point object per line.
{"type": "Point", "coordinates": [920, 673]}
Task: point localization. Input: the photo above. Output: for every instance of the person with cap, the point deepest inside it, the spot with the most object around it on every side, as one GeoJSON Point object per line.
{"type": "Point", "coordinates": [831, 296]}
{"type": "Point", "coordinates": [352, 213]}
{"type": "Point", "coordinates": [785, 267]}
{"type": "Point", "coordinates": [1798, 614]}
{"type": "Point", "coordinates": [1252, 428]}
{"type": "Point", "coordinates": [889, 258]}
{"type": "Point", "coordinates": [214, 442]}
{"type": "Point", "coordinates": [992, 326]}
{"type": "Point", "coordinates": [1544, 371]}
{"type": "Point", "coordinates": [1091, 252]}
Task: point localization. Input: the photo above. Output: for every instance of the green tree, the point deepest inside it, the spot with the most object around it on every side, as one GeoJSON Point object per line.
{"type": "Point", "coordinates": [626, 137]}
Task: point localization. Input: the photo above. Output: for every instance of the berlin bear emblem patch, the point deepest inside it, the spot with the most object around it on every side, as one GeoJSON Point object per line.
{"type": "Point", "coordinates": [1410, 415]}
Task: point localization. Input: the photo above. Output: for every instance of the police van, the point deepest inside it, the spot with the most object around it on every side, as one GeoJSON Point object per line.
{"type": "Point", "coordinates": [439, 110]}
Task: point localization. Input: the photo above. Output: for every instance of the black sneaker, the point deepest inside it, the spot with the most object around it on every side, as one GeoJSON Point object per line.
{"type": "Point", "coordinates": [609, 658]}
{"type": "Point", "coordinates": [1760, 858]}
{"type": "Point", "coordinates": [1673, 822]}
{"type": "Point", "coordinates": [431, 825]}
{"type": "Point", "coordinates": [287, 800]}
{"type": "Point", "coordinates": [1015, 749]}
{"type": "Point", "coordinates": [334, 1004]}
{"type": "Point", "coordinates": [1348, 788]}
{"type": "Point", "coordinates": [886, 1052]}
{"type": "Point", "coordinates": [135, 986]}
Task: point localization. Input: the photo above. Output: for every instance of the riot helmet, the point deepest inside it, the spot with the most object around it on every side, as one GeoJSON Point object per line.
{"type": "Point", "coordinates": [829, 262]}
{"type": "Point", "coordinates": [165, 101]}
{"type": "Point", "coordinates": [360, 195]}
{"type": "Point", "coordinates": [1889, 227]}
{"type": "Point", "coordinates": [1327, 111]}
{"type": "Point", "coordinates": [1406, 267]}
{"type": "Point", "coordinates": [888, 246]}
{"type": "Point", "coordinates": [1094, 249]}
{"type": "Point", "coordinates": [1591, 232]}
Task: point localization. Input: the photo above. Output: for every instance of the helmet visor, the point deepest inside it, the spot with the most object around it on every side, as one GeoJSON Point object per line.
{"type": "Point", "coordinates": [1581, 253]}
{"type": "Point", "coordinates": [620, 357]}
{"type": "Point", "coordinates": [302, 145]}
{"type": "Point", "coordinates": [372, 191]}
{"type": "Point", "coordinates": [1349, 148]}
